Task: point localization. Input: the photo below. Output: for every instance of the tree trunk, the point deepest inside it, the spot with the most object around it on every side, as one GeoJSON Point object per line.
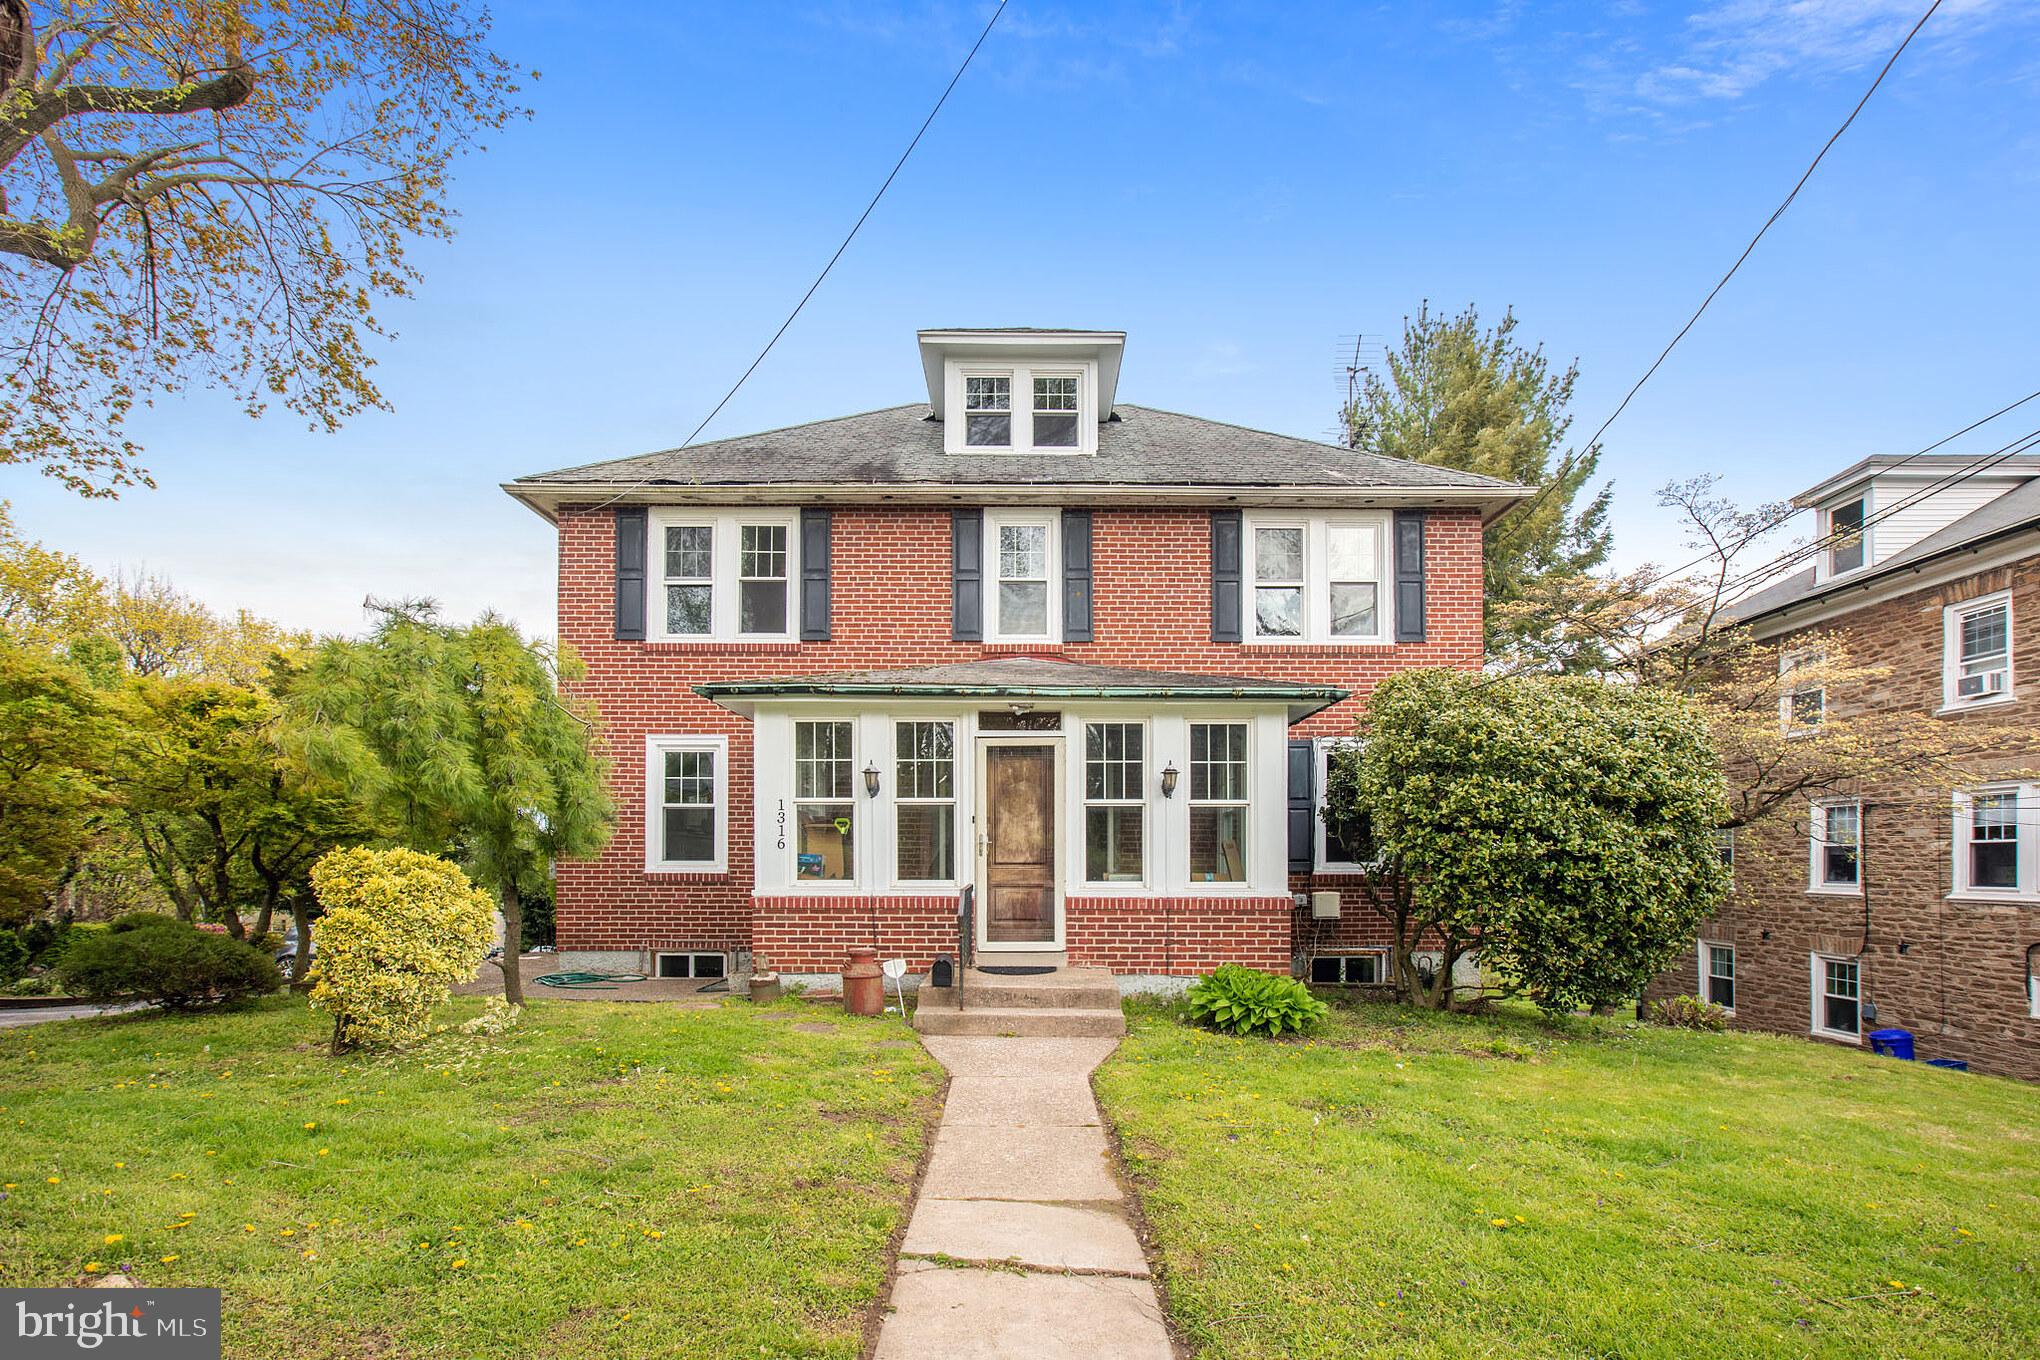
{"type": "Point", "coordinates": [339, 1042]}
{"type": "Point", "coordinates": [513, 936]}
{"type": "Point", "coordinates": [262, 916]}
{"type": "Point", "coordinates": [301, 960]}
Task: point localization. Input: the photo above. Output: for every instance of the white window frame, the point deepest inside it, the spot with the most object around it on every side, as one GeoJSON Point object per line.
{"type": "Point", "coordinates": [1817, 1018]}
{"type": "Point", "coordinates": [997, 520]}
{"type": "Point", "coordinates": [1827, 519]}
{"type": "Point", "coordinates": [724, 585]}
{"type": "Point", "coordinates": [1706, 974]}
{"type": "Point", "coordinates": [1817, 842]}
{"type": "Point", "coordinates": [958, 843]}
{"type": "Point", "coordinates": [1380, 957]}
{"type": "Point", "coordinates": [656, 748]}
{"type": "Point", "coordinates": [1081, 758]}
{"type": "Point", "coordinates": [860, 839]}
{"type": "Point", "coordinates": [2026, 833]}
{"type": "Point", "coordinates": [1245, 803]}
{"type": "Point", "coordinates": [1316, 583]}
{"type": "Point", "coordinates": [966, 411]}
{"type": "Point", "coordinates": [1022, 373]}
{"type": "Point", "coordinates": [1787, 663]}
{"type": "Point", "coordinates": [1323, 747]}
{"type": "Point", "coordinates": [1035, 408]}
{"type": "Point", "coordinates": [1724, 846]}
{"type": "Point", "coordinates": [1952, 618]}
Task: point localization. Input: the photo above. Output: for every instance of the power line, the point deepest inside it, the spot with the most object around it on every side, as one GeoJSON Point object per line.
{"type": "Point", "coordinates": [848, 237]}
{"type": "Point", "coordinates": [1565, 464]}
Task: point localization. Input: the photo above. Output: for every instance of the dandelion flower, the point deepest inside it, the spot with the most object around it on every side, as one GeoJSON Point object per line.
{"type": "Point", "coordinates": [55, 1180]}
{"type": "Point", "coordinates": [287, 1232]}
{"type": "Point", "coordinates": [324, 1151]}
{"type": "Point", "coordinates": [247, 1227]}
{"type": "Point", "coordinates": [166, 1260]}
{"type": "Point", "coordinates": [311, 1123]}
{"type": "Point", "coordinates": [1499, 1222]}
{"type": "Point", "coordinates": [460, 1263]}
{"type": "Point", "coordinates": [92, 1267]}
{"type": "Point", "coordinates": [112, 1238]}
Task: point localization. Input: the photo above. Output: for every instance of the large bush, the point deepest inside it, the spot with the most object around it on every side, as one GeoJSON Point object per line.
{"type": "Point", "coordinates": [1239, 1000]}
{"type": "Point", "coordinates": [160, 959]}
{"type": "Point", "coordinates": [400, 929]}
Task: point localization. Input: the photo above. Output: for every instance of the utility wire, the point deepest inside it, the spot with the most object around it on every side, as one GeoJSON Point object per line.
{"type": "Point", "coordinates": [1565, 465]}
{"type": "Point", "coordinates": [850, 236]}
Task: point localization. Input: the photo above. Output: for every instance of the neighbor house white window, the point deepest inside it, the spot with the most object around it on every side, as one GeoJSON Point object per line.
{"type": "Point", "coordinates": [1717, 973]}
{"type": "Point", "coordinates": [988, 411]}
{"type": "Point", "coordinates": [1024, 604]}
{"type": "Point", "coordinates": [1802, 705]}
{"type": "Point", "coordinates": [1995, 832]}
{"type": "Point", "coordinates": [1218, 802]}
{"type": "Point", "coordinates": [1319, 579]}
{"type": "Point", "coordinates": [1837, 997]}
{"type": "Point", "coordinates": [1847, 539]}
{"type": "Point", "coordinates": [824, 802]}
{"type": "Point", "coordinates": [1115, 802]}
{"type": "Point", "coordinates": [924, 802]}
{"type": "Point", "coordinates": [1344, 849]}
{"type": "Point", "coordinates": [1836, 843]}
{"type": "Point", "coordinates": [1977, 652]}
{"type": "Point", "coordinates": [724, 575]}
{"type": "Point", "coordinates": [686, 804]}
{"type": "Point", "coordinates": [1724, 848]}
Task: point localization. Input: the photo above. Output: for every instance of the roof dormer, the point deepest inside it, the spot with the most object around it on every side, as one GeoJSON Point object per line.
{"type": "Point", "coordinates": [1021, 390]}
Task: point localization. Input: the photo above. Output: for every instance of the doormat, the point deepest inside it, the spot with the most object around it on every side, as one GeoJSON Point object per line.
{"type": "Point", "coordinates": [1019, 969]}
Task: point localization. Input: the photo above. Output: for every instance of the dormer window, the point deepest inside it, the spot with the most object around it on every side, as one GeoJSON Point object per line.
{"type": "Point", "coordinates": [1055, 411]}
{"type": "Point", "coordinates": [1845, 538]}
{"type": "Point", "coordinates": [988, 411]}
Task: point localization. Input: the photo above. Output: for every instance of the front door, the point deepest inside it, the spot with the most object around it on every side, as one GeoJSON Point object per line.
{"type": "Point", "coordinates": [1020, 844]}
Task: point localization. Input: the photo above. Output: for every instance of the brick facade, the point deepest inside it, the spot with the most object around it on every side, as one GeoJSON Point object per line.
{"type": "Point", "coordinates": [891, 608]}
{"type": "Point", "coordinates": [1952, 971]}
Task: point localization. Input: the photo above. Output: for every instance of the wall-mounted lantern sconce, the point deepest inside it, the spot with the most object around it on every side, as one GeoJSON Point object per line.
{"type": "Point", "coordinates": [1169, 780]}
{"type": "Point", "coordinates": [871, 780]}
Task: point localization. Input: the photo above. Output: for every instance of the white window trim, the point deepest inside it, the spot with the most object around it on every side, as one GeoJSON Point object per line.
{"type": "Point", "coordinates": [1816, 837]}
{"type": "Point", "coordinates": [1023, 374]}
{"type": "Point", "coordinates": [995, 520]}
{"type": "Point", "coordinates": [1246, 803]}
{"type": "Point", "coordinates": [1380, 956]}
{"type": "Point", "coordinates": [1817, 1008]}
{"type": "Point", "coordinates": [1081, 850]}
{"type": "Point", "coordinates": [656, 748]}
{"type": "Point", "coordinates": [1706, 964]}
{"type": "Point", "coordinates": [1787, 662]}
{"type": "Point", "coordinates": [1317, 581]}
{"type": "Point", "coordinates": [1724, 839]}
{"type": "Point", "coordinates": [1951, 652]}
{"type": "Point", "coordinates": [1322, 847]}
{"type": "Point", "coordinates": [2028, 842]}
{"type": "Point", "coordinates": [723, 586]}
{"type": "Point", "coordinates": [860, 817]}
{"type": "Point", "coordinates": [1827, 529]}
{"type": "Point", "coordinates": [959, 841]}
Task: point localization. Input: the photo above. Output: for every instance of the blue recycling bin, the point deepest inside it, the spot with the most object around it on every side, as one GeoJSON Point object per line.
{"type": "Point", "coordinates": [1892, 1043]}
{"type": "Point", "coordinates": [1952, 1064]}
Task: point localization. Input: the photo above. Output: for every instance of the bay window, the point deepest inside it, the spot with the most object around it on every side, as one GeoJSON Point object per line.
{"type": "Point", "coordinates": [1218, 802]}
{"type": "Point", "coordinates": [924, 797]}
{"type": "Point", "coordinates": [1319, 579]}
{"type": "Point", "coordinates": [1115, 802]}
{"type": "Point", "coordinates": [824, 810]}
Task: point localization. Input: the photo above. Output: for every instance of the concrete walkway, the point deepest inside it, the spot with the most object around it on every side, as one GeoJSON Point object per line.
{"type": "Point", "coordinates": [1019, 1244]}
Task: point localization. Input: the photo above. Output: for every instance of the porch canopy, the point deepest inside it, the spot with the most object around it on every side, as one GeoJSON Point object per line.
{"type": "Point", "coordinates": [1024, 677]}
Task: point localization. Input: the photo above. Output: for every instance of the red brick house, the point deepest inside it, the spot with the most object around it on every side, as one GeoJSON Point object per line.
{"type": "Point", "coordinates": [1080, 654]}
{"type": "Point", "coordinates": [1904, 907]}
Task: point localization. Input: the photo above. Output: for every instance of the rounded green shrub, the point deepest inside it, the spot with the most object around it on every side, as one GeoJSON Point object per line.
{"type": "Point", "coordinates": [164, 961]}
{"type": "Point", "coordinates": [1689, 1012]}
{"type": "Point", "coordinates": [1240, 1000]}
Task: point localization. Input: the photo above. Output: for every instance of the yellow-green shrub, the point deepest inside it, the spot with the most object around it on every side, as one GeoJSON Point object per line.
{"type": "Point", "coordinates": [399, 930]}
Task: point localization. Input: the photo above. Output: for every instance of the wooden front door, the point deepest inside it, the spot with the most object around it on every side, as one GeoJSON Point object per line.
{"type": "Point", "coordinates": [1020, 844]}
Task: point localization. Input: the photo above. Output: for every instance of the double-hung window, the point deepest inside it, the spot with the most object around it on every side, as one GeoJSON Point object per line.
{"type": "Point", "coordinates": [824, 774]}
{"type": "Point", "coordinates": [1343, 847]}
{"type": "Point", "coordinates": [1218, 802]}
{"type": "Point", "coordinates": [1995, 833]}
{"type": "Point", "coordinates": [1024, 606]}
{"type": "Point", "coordinates": [1977, 652]}
{"type": "Point", "coordinates": [724, 575]}
{"type": "Point", "coordinates": [924, 798]}
{"type": "Point", "coordinates": [1846, 540]}
{"type": "Point", "coordinates": [1836, 844]}
{"type": "Point", "coordinates": [1837, 997]}
{"type": "Point", "coordinates": [1318, 579]}
{"type": "Point", "coordinates": [1717, 973]}
{"type": "Point", "coordinates": [686, 804]}
{"type": "Point", "coordinates": [1802, 701]}
{"type": "Point", "coordinates": [1055, 411]}
{"type": "Point", "coordinates": [988, 411]}
{"type": "Point", "coordinates": [1115, 802]}
{"type": "Point", "coordinates": [1724, 849]}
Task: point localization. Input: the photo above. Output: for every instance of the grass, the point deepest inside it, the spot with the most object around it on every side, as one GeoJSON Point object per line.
{"type": "Point", "coordinates": [606, 1179]}
{"type": "Point", "coordinates": [1419, 1185]}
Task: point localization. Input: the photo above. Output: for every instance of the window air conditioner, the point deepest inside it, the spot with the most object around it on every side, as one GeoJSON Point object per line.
{"type": "Point", "coordinates": [1977, 686]}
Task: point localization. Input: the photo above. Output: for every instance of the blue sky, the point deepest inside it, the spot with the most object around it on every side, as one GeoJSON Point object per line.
{"type": "Point", "coordinates": [1237, 186]}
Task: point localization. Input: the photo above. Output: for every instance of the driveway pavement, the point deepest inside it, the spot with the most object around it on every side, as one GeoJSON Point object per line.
{"type": "Point", "coordinates": [11, 1018]}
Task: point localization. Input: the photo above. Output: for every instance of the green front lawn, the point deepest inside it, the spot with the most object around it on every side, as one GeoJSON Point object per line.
{"type": "Point", "coordinates": [607, 1179]}
{"type": "Point", "coordinates": [1408, 1184]}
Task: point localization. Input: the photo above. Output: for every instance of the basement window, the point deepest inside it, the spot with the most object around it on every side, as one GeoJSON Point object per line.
{"type": "Point", "coordinates": [690, 965]}
{"type": "Point", "coordinates": [1350, 970]}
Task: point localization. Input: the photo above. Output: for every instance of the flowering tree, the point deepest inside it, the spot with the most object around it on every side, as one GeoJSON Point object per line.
{"type": "Point", "coordinates": [216, 192]}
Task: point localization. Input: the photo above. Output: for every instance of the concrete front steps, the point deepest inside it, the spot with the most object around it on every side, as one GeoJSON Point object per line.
{"type": "Point", "coordinates": [1070, 1003]}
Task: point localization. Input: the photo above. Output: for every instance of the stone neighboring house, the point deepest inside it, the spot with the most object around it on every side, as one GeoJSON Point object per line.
{"type": "Point", "coordinates": [1082, 655]}
{"type": "Point", "coordinates": [1904, 907]}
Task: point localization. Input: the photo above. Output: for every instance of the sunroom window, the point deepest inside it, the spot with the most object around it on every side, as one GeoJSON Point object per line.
{"type": "Point", "coordinates": [1115, 809]}
{"type": "Point", "coordinates": [823, 778]}
{"type": "Point", "coordinates": [1218, 802]}
{"type": "Point", "coordinates": [925, 801]}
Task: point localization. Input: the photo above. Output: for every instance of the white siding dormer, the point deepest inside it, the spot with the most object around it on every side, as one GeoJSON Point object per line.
{"type": "Point", "coordinates": [1023, 406]}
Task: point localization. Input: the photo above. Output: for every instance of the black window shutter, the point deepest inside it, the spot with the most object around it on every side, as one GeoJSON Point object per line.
{"type": "Point", "coordinates": [1302, 806]}
{"type": "Point", "coordinates": [1076, 558]}
{"type": "Point", "coordinates": [814, 574]}
{"type": "Point", "coordinates": [1409, 576]}
{"type": "Point", "coordinates": [1225, 576]}
{"type": "Point", "coordinates": [630, 573]}
{"type": "Point", "coordinates": [967, 575]}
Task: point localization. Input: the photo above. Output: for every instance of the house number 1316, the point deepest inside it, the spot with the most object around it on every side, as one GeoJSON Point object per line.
{"type": "Point", "coordinates": [782, 824]}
